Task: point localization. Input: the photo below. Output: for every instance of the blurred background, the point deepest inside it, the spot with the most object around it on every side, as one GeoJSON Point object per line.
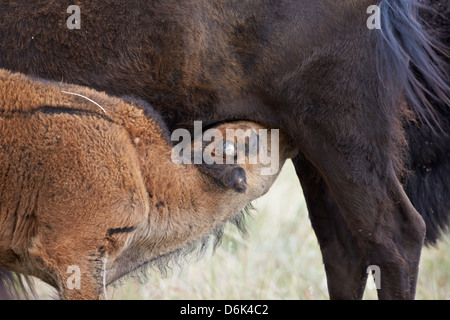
{"type": "Point", "coordinates": [279, 258]}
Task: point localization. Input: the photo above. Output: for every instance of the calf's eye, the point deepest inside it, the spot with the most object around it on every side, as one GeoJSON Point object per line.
{"type": "Point", "coordinates": [228, 148]}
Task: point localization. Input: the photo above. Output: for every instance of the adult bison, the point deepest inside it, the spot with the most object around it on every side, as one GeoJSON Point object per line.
{"type": "Point", "coordinates": [311, 67]}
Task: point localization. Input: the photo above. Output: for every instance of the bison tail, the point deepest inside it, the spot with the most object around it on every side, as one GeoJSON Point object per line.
{"type": "Point", "coordinates": [428, 184]}
{"type": "Point", "coordinates": [429, 190]}
{"type": "Point", "coordinates": [413, 59]}
{"type": "Point", "coordinates": [410, 57]}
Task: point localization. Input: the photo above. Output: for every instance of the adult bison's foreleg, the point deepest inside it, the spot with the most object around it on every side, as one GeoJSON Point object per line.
{"type": "Point", "coordinates": [344, 265]}
{"type": "Point", "coordinates": [359, 172]}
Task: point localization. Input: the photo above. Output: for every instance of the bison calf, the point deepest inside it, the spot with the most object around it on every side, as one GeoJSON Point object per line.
{"type": "Point", "coordinates": [87, 185]}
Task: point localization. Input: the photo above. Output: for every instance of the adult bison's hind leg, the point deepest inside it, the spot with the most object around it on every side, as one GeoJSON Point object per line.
{"type": "Point", "coordinates": [344, 265]}
{"type": "Point", "coordinates": [377, 226]}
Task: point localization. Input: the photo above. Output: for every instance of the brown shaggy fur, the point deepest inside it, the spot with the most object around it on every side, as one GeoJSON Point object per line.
{"type": "Point", "coordinates": [81, 187]}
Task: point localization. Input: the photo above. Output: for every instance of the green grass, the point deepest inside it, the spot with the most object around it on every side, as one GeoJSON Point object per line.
{"type": "Point", "coordinates": [278, 259]}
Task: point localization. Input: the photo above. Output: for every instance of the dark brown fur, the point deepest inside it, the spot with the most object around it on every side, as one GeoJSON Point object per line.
{"type": "Point", "coordinates": [81, 187]}
{"type": "Point", "coordinates": [312, 68]}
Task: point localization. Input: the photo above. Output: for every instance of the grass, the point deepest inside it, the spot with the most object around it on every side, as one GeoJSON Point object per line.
{"type": "Point", "coordinates": [278, 259]}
